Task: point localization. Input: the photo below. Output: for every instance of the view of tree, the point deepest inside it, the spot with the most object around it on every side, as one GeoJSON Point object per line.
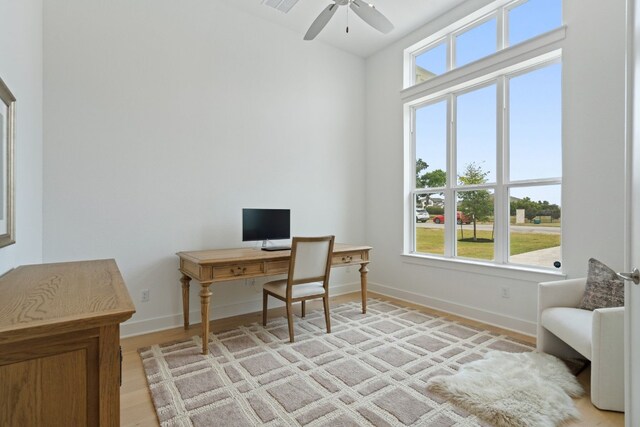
{"type": "Point", "coordinates": [475, 204]}
{"type": "Point", "coordinates": [436, 178]}
{"type": "Point", "coordinates": [420, 166]}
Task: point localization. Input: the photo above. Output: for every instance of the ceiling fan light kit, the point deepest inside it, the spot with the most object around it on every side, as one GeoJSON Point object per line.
{"type": "Point", "coordinates": [366, 11]}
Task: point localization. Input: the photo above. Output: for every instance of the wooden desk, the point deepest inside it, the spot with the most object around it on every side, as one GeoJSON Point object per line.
{"type": "Point", "coordinates": [221, 265]}
{"type": "Point", "coordinates": [60, 344]}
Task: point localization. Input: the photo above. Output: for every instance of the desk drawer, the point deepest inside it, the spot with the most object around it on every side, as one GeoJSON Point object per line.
{"type": "Point", "coordinates": [277, 267]}
{"type": "Point", "coordinates": [346, 258]}
{"type": "Point", "coordinates": [233, 271]}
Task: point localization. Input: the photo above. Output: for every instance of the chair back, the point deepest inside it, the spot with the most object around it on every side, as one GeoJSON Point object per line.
{"type": "Point", "coordinates": [310, 260]}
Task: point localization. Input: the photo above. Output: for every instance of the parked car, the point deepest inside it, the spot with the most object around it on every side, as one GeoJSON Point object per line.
{"type": "Point", "coordinates": [462, 219]}
{"type": "Point", "coordinates": [422, 216]}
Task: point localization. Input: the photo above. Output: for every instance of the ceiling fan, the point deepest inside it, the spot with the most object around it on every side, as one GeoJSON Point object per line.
{"type": "Point", "coordinates": [367, 12]}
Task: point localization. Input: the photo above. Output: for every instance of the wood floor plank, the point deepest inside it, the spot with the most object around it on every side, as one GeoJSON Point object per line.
{"type": "Point", "coordinates": [136, 407]}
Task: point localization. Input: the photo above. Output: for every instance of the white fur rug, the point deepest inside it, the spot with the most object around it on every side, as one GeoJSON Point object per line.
{"type": "Point", "coordinates": [513, 389]}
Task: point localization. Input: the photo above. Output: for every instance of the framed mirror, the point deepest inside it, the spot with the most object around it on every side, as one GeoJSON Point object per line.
{"type": "Point", "coordinates": [7, 183]}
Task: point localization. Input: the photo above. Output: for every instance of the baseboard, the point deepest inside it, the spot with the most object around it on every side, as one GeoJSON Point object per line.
{"type": "Point", "coordinates": [146, 326]}
{"type": "Point", "coordinates": [495, 319]}
{"type": "Point", "coordinates": [129, 329]}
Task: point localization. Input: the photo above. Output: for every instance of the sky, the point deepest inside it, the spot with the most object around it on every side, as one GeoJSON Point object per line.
{"type": "Point", "coordinates": [534, 100]}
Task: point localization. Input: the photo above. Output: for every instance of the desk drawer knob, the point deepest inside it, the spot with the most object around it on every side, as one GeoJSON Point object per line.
{"type": "Point", "coordinates": [347, 259]}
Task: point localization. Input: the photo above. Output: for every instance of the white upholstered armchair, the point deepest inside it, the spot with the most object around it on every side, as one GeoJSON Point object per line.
{"type": "Point", "coordinates": [598, 335]}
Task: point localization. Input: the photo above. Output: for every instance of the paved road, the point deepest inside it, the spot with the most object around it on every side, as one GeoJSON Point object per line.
{"type": "Point", "coordinates": [516, 228]}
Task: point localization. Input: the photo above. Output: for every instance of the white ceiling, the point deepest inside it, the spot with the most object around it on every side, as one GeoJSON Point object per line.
{"type": "Point", "coordinates": [362, 40]}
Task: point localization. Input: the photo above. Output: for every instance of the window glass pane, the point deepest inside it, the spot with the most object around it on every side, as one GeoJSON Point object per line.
{"type": "Point", "coordinates": [535, 227]}
{"type": "Point", "coordinates": [476, 136]}
{"type": "Point", "coordinates": [429, 224]}
{"type": "Point", "coordinates": [535, 124]}
{"type": "Point", "coordinates": [476, 43]}
{"type": "Point", "coordinates": [431, 63]}
{"type": "Point", "coordinates": [475, 228]}
{"type": "Point", "coordinates": [532, 18]}
{"type": "Point", "coordinates": [431, 145]}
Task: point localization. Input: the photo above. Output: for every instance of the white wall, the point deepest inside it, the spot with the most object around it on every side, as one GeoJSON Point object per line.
{"type": "Point", "coordinates": [21, 70]}
{"type": "Point", "coordinates": [593, 173]}
{"type": "Point", "coordinates": [164, 119]}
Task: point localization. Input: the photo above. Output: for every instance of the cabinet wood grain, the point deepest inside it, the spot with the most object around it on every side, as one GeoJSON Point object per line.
{"type": "Point", "coordinates": [59, 344]}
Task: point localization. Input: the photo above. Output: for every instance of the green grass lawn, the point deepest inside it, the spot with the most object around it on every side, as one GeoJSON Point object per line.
{"type": "Point", "coordinates": [431, 240]}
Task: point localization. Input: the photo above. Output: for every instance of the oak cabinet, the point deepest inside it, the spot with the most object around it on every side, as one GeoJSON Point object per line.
{"type": "Point", "coordinates": [60, 344]}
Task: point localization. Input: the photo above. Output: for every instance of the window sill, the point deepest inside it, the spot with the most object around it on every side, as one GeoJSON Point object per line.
{"type": "Point", "coordinates": [510, 271]}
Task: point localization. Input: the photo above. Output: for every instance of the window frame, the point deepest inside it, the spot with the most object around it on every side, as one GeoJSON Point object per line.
{"type": "Point", "coordinates": [499, 9]}
{"type": "Point", "coordinates": [502, 185]}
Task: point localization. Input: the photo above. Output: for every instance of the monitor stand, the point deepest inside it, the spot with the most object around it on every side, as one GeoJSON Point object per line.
{"type": "Point", "coordinates": [266, 247]}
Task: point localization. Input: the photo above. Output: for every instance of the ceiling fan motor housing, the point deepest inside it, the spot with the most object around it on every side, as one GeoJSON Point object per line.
{"type": "Point", "coordinates": [367, 12]}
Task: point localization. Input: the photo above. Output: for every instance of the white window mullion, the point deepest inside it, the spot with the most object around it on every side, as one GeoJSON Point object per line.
{"type": "Point", "coordinates": [451, 52]}
{"type": "Point", "coordinates": [412, 77]}
{"type": "Point", "coordinates": [501, 212]}
{"type": "Point", "coordinates": [501, 20]}
{"type": "Point", "coordinates": [507, 169]}
{"type": "Point", "coordinates": [412, 157]}
{"type": "Point", "coordinates": [449, 195]}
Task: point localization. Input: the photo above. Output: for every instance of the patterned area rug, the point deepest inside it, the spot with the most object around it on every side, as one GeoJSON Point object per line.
{"type": "Point", "coordinates": [372, 370]}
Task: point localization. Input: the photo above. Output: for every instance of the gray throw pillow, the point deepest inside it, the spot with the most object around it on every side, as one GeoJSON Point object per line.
{"type": "Point", "coordinates": [604, 288]}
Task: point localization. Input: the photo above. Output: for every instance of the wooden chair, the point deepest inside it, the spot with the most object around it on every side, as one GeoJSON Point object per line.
{"type": "Point", "coordinates": [308, 278]}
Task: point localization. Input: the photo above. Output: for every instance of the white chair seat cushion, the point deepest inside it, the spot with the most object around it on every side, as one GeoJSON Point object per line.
{"type": "Point", "coordinates": [571, 325]}
{"type": "Point", "coordinates": [279, 287]}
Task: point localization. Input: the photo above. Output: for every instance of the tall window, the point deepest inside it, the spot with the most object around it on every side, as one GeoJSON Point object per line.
{"type": "Point", "coordinates": [478, 37]}
{"type": "Point", "coordinates": [487, 151]}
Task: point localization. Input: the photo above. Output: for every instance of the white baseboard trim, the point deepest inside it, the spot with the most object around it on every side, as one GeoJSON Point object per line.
{"type": "Point", "coordinates": [495, 319]}
{"type": "Point", "coordinates": [146, 326]}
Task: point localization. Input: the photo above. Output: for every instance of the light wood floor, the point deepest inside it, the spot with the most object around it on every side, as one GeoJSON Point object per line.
{"type": "Point", "coordinates": [135, 401]}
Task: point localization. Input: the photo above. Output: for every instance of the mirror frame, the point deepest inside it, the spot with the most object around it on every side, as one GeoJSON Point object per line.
{"type": "Point", "coordinates": [7, 98]}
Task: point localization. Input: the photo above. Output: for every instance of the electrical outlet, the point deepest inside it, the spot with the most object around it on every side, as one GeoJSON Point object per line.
{"type": "Point", "coordinates": [144, 295]}
{"type": "Point", "coordinates": [505, 292]}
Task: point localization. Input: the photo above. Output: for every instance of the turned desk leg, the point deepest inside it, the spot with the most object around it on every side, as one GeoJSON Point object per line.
{"type": "Point", "coordinates": [205, 297]}
{"type": "Point", "coordinates": [185, 299]}
{"type": "Point", "coordinates": [363, 285]}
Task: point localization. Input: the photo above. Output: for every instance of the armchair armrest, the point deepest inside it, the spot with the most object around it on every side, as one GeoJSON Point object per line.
{"type": "Point", "coordinates": [607, 324]}
{"type": "Point", "coordinates": [560, 293]}
{"type": "Point", "coordinates": [607, 358]}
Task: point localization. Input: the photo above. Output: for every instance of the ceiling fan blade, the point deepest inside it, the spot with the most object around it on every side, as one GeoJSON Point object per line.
{"type": "Point", "coordinates": [371, 16]}
{"type": "Point", "coordinates": [321, 21]}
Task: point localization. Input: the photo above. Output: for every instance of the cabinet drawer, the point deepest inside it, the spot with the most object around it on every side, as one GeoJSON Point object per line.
{"type": "Point", "coordinates": [346, 258]}
{"type": "Point", "coordinates": [237, 270]}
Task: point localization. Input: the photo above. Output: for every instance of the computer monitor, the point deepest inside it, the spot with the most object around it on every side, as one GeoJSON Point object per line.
{"type": "Point", "coordinates": [265, 224]}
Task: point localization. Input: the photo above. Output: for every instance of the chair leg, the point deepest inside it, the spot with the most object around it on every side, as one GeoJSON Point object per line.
{"type": "Point", "coordinates": [264, 308]}
{"type": "Point", "coordinates": [303, 311]}
{"type": "Point", "coordinates": [325, 300]}
{"type": "Point", "coordinates": [290, 320]}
